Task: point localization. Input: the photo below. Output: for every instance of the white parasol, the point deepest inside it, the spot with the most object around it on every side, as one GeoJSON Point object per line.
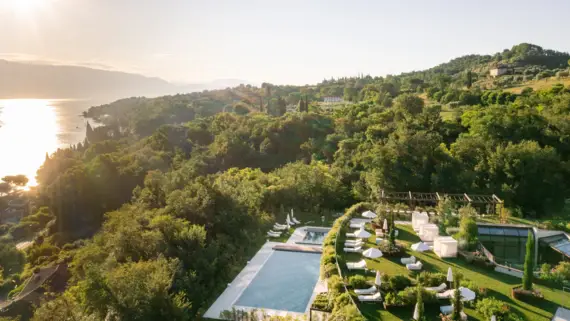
{"type": "Point", "coordinates": [378, 280]}
{"type": "Point", "coordinates": [420, 247]}
{"type": "Point", "coordinates": [372, 253]}
{"type": "Point", "coordinates": [361, 233]}
{"type": "Point", "coordinates": [369, 214]}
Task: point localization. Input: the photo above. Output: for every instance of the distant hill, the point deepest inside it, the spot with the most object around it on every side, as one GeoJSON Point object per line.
{"type": "Point", "coordinates": [31, 80]}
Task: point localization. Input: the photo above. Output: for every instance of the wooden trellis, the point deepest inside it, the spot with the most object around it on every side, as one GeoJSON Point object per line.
{"type": "Point", "coordinates": [492, 204]}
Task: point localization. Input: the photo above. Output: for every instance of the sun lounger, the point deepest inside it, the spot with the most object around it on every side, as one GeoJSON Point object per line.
{"type": "Point", "coordinates": [353, 241]}
{"type": "Point", "coordinates": [290, 222]}
{"type": "Point", "coordinates": [353, 244]}
{"type": "Point", "coordinates": [296, 221]}
{"type": "Point", "coordinates": [379, 232]}
{"type": "Point", "coordinates": [414, 266]}
{"type": "Point", "coordinates": [446, 309]}
{"type": "Point", "coordinates": [439, 288]}
{"type": "Point", "coordinates": [376, 297]}
{"type": "Point", "coordinates": [370, 290]}
{"type": "Point", "coordinates": [356, 225]}
{"type": "Point", "coordinates": [408, 260]}
{"type": "Point", "coordinates": [444, 295]}
{"type": "Point", "coordinates": [350, 235]}
{"type": "Point", "coordinates": [357, 249]}
{"type": "Point", "coordinates": [279, 227]}
{"type": "Point", "coordinates": [274, 234]}
{"type": "Point", "coordinates": [356, 265]}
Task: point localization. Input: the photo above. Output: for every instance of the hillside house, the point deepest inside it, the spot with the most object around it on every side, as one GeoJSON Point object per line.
{"type": "Point", "coordinates": [499, 71]}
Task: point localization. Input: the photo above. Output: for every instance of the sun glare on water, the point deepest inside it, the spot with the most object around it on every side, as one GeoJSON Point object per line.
{"type": "Point", "coordinates": [28, 129]}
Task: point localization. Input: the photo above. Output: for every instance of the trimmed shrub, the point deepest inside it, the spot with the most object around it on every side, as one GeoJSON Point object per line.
{"type": "Point", "coordinates": [357, 282]}
{"type": "Point", "coordinates": [335, 284]}
{"type": "Point", "coordinates": [491, 306]}
{"type": "Point", "coordinates": [399, 282]}
{"type": "Point", "coordinates": [431, 279]}
{"type": "Point", "coordinates": [391, 250]}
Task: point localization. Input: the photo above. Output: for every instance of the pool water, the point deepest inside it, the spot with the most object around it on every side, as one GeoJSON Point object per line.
{"type": "Point", "coordinates": [285, 282]}
{"type": "Point", "coordinates": [314, 237]}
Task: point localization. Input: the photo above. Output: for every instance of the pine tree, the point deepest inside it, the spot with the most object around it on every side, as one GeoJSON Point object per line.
{"type": "Point", "coordinates": [528, 262]}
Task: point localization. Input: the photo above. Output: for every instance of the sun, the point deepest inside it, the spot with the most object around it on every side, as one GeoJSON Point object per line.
{"type": "Point", "coordinates": [22, 6]}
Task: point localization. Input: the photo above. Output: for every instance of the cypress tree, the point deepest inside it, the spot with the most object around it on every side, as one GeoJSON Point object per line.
{"type": "Point", "coordinates": [420, 303]}
{"type": "Point", "coordinates": [528, 262]}
{"type": "Point", "coordinates": [456, 302]}
{"type": "Point", "coordinates": [300, 107]}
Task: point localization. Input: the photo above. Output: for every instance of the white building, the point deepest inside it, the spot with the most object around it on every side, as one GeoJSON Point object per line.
{"type": "Point", "coordinates": [498, 71]}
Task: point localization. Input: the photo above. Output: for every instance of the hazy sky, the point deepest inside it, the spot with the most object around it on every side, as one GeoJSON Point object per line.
{"type": "Point", "coordinates": [292, 41]}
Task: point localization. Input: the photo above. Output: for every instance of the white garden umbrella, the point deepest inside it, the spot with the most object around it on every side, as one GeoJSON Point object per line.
{"type": "Point", "coordinates": [466, 294]}
{"type": "Point", "coordinates": [416, 313]}
{"type": "Point", "coordinates": [361, 233]}
{"type": "Point", "coordinates": [420, 247]}
{"type": "Point", "coordinates": [493, 318]}
{"type": "Point", "coordinates": [369, 214]}
{"type": "Point", "coordinates": [372, 253]}
{"type": "Point", "coordinates": [378, 280]}
{"type": "Point", "coordinates": [385, 227]}
{"type": "Point", "coordinates": [449, 275]}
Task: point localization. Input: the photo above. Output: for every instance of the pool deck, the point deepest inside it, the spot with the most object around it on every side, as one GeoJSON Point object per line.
{"type": "Point", "coordinates": [234, 290]}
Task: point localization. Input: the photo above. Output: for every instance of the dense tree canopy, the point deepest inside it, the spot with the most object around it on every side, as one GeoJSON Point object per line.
{"type": "Point", "coordinates": [164, 203]}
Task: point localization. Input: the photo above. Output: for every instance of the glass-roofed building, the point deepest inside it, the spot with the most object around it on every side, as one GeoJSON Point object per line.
{"type": "Point", "coordinates": [553, 247]}
{"type": "Point", "coordinates": [507, 244]}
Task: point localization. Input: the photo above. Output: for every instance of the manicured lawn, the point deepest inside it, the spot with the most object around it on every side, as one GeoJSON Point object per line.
{"type": "Point", "coordinates": [498, 284]}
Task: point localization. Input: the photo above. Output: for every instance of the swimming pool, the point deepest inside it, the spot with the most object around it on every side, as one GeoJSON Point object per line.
{"type": "Point", "coordinates": [285, 282]}
{"type": "Point", "coordinates": [314, 237]}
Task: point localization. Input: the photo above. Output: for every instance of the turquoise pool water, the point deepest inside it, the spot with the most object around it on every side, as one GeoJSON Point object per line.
{"type": "Point", "coordinates": [285, 282]}
{"type": "Point", "coordinates": [314, 237]}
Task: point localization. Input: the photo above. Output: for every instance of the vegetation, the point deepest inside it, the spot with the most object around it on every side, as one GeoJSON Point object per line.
{"type": "Point", "coordinates": [528, 263]}
{"type": "Point", "coordinates": [183, 188]}
{"type": "Point", "coordinates": [473, 277]}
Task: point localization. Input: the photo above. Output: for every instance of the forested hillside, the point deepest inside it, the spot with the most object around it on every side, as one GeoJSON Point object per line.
{"type": "Point", "coordinates": [157, 210]}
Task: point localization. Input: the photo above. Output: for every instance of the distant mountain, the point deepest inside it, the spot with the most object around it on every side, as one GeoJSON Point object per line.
{"type": "Point", "coordinates": [31, 80]}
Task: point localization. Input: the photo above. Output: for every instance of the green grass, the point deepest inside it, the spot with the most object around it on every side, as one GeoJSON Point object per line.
{"type": "Point", "coordinates": [539, 84]}
{"type": "Point", "coordinates": [498, 284]}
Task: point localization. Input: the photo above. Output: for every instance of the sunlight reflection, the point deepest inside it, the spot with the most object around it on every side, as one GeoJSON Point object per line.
{"type": "Point", "coordinates": [29, 129]}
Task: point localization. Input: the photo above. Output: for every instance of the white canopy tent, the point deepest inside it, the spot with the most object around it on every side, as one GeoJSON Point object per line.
{"type": "Point", "coordinates": [445, 246]}
{"type": "Point", "coordinates": [419, 219]}
{"type": "Point", "coordinates": [428, 232]}
{"type": "Point", "coordinates": [369, 214]}
{"type": "Point", "coordinates": [420, 247]}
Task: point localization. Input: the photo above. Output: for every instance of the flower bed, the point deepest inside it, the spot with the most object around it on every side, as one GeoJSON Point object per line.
{"type": "Point", "coordinates": [519, 293]}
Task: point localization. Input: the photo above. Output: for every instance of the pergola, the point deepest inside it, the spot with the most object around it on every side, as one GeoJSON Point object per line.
{"type": "Point", "coordinates": [491, 203]}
